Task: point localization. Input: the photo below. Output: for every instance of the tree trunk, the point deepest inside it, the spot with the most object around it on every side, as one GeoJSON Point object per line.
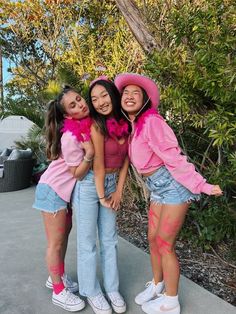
{"type": "Point", "coordinates": [136, 24]}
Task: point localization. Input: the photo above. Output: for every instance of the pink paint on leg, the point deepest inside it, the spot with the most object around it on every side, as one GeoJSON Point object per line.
{"type": "Point", "coordinates": [61, 230]}
{"type": "Point", "coordinates": [154, 250]}
{"type": "Point", "coordinates": [152, 219]}
{"type": "Point", "coordinates": [58, 287]}
{"type": "Point", "coordinates": [170, 227]}
{"type": "Point", "coordinates": [164, 247]}
{"type": "Point", "coordinates": [55, 269]}
{"type": "Point", "coordinates": [62, 268]}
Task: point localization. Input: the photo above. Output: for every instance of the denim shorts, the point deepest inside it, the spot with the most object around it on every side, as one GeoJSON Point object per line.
{"type": "Point", "coordinates": [47, 200]}
{"type": "Point", "coordinates": [164, 189]}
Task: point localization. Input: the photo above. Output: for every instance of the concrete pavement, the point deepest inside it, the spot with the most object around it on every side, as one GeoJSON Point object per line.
{"type": "Point", "coordinates": [23, 271]}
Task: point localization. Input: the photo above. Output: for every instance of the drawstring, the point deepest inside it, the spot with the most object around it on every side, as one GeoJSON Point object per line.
{"type": "Point", "coordinates": [132, 121]}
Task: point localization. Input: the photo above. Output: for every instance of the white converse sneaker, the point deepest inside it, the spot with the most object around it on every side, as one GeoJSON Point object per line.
{"type": "Point", "coordinates": [117, 302]}
{"type": "Point", "coordinates": [68, 283]}
{"type": "Point", "coordinates": [99, 304]}
{"type": "Point", "coordinates": [150, 292]}
{"type": "Point", "coordinates": [68, 301]}
{"type": "Point", "coordinates": [162, 305]}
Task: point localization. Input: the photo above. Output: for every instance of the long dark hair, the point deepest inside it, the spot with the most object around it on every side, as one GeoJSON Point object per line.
{"type": "Point", "coordinates": [116, 105]}
{"type": "Point", "coordinates": [53, 124]}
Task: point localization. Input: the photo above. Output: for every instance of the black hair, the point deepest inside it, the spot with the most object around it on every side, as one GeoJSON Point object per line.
{"type": "Point", "coordinates": [116, 105]}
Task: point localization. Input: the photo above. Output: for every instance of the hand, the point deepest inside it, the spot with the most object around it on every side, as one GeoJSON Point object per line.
{"type": "Point", "coordinates": [216, 190]}
{"type": "Point", "coordinates": [105, 202]}
{"type": "Point", "coordinates": [115, 200]}
{"type": "Point", "coordinates": [89, 149]}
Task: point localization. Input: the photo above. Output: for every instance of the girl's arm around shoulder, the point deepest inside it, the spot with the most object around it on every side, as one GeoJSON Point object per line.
{"type": "Point", "coordinates": [80, 171]}
{"type": "Point", "coordinates": [76, 155]}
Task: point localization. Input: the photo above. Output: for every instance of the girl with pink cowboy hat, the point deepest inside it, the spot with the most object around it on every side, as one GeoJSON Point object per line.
{"type": "Point", "coordinates": [172, 181]}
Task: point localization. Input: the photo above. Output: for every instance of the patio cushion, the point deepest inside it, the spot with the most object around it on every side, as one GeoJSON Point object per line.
{"type": "Point", "coordinates": [20, 154]}
{"type": "Point", "coordinates": [6, 152]}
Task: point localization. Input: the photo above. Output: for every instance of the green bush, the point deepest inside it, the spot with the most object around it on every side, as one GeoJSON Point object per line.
{"type": "Point", "coordinates": [195, 71]}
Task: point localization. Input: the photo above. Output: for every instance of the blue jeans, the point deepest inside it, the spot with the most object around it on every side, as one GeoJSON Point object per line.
{"type": "Point", "coordinates": [164, 189]}
{"type": "Point", "coordinates": [91, 218]}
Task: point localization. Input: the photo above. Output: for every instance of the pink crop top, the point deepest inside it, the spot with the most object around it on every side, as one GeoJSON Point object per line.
{"type": "Point", "coordinates": [114, 152]}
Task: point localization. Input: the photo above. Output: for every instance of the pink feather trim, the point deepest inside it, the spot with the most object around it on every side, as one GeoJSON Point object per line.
{"type": "Point", "coordinates": [79, 128]}
{"type": "Point", "coordinates": [117, 129]}
{"type": "Point", "coordinates": [141, 120]}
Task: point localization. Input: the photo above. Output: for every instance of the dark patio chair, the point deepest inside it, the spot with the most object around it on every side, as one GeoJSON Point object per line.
{"type": "Point", "coordinates": [16, 174]}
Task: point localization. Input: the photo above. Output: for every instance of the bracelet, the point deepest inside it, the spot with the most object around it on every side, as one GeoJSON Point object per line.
{"type": "Point", "coordinates": [87, 159]}
{"type": "Point", "coordinates": [102, 197]}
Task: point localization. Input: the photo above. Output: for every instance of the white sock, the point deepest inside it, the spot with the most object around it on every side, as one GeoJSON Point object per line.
{"type": "Point", "coordinates": [159, 286]}
{"type": "Point", "coordinates": [171, 301]}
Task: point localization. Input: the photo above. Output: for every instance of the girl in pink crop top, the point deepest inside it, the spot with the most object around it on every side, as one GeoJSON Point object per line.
{"type": "Point", "coordinates": [114, 153]}
{"type": "Point", "coordinates": [110, 137]}
{"type": "Point", "coordinates": [98, 196]}
{"type": "Point", "coordinates": [171, 180]}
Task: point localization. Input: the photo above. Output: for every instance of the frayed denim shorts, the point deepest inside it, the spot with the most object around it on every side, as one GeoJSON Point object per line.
{"type": "Point", "coordinates": [164, 189]}
{"type": "Point", "coordinates": [47, 200]}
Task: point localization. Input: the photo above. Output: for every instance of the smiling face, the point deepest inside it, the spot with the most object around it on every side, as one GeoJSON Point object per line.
{"type": "Point", "coordinates": [101, 100]}
{"type": "Point", "coordinates": [132, 99]}
{"type": "Point", "coordinates": [74, 105]}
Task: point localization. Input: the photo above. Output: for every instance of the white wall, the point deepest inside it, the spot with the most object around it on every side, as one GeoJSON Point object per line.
{"type": "Point", "coordinates": [13, 128]}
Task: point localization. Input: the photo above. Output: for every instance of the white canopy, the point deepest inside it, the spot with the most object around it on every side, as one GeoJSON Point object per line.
{"type": "Point", "coordinates": [13, 128]}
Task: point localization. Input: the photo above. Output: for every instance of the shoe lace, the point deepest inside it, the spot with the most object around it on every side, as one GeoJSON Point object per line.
{"type": "Point", "coordinates": [99, 300]}
{"type": "Point", "coordinates": [115, 297]}
{"type": "Point", "coordinates": [70, 297]}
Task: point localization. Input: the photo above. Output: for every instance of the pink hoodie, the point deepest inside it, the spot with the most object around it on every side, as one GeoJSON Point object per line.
{"type": "Point", "coordinates": [156, 145]}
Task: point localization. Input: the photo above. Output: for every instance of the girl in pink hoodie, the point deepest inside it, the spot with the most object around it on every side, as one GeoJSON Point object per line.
{"type": "Point", "coordinates": [172, 181]}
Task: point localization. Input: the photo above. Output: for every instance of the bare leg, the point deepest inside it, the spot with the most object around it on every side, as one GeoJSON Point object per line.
{"type": "Point", "coordinates": [55, 230]}
{"type": "Point", "coordinates": [153, 222]}
{"type": "Point", "coordinates": [170, 223]}
{"type": "Point", "coordinates": [67, 232]}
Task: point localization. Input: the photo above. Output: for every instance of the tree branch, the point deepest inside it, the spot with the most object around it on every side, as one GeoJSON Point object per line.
{"type": "Point", "coordinates": [136, 24]}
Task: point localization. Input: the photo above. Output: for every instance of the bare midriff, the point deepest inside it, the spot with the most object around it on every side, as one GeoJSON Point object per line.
{"type": "Point", "coordinates": [111, 170]}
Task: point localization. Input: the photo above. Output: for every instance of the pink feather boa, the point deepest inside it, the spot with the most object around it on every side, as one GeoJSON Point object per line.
{"type": "Point", "coordinates": [141, 120]}
{"type": "Point", "coordinates": [79, 128]}
{"type": "Point", "coordinates": [117, 129]}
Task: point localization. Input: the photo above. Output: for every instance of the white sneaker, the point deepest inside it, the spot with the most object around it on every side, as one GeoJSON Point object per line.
{"type": "Point", "coordinates": [117, 302]}
{"type": "Point", "coordinates": [161, 306]}
{"type": "Point", "coordinates": [68, 301]}
{"type": "Point", "coordinates": [68, 283]}
{"type": "Point", "coordinates": [99, 304]}
{"type": "Point", "coordinates": [150, 292]}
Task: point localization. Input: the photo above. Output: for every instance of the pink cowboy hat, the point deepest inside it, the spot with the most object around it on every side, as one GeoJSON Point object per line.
{"type": "Point", "coordinates": [124, 79]}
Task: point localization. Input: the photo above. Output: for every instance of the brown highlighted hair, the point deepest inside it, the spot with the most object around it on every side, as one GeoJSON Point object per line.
{"type": "Point", "coordinates": [53, 124]}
